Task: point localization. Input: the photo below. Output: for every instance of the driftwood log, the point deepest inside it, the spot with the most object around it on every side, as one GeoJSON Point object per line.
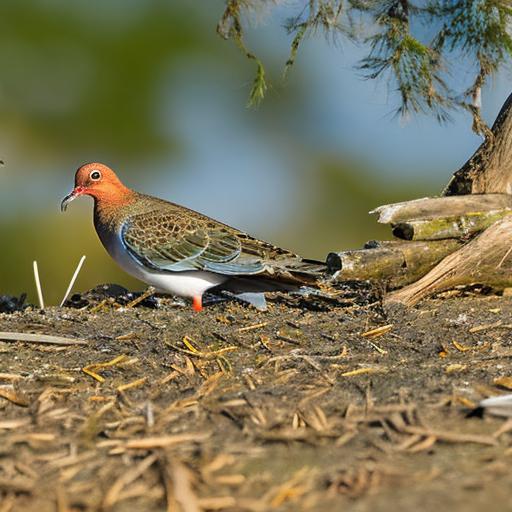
{"type": "Point", "coordinates": [462, 238]}
{"type": "Point", "coordinates": [395, 264]}
{"type": "Point", "coordinates": [437, 207]}
{"type": "Point", "coordinates": [440, 218]}
{"type": "Point", "coordinates": [485, 260]}
{"type": "Point", "coordinates": [432, 233]}
{"type": "Point", "coordinates": [448, 227]}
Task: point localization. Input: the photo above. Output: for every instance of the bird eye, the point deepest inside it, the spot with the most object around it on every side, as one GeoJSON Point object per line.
{"type": "Point", "coordinates": [95, 175]}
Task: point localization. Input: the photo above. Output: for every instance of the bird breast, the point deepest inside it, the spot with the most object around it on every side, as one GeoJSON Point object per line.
{"type": "Point", "coordinates": [191, 283]}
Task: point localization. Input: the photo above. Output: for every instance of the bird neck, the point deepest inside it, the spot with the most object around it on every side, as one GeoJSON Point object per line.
{"type": "Point", "coordinates": [110, 205]}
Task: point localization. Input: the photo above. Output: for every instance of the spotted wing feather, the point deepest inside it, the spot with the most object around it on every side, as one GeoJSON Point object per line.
{"type": "Point", "coordinates": [171, 242]}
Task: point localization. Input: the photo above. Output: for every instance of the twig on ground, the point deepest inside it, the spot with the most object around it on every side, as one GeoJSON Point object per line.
{"type": "Point", "coordinates": [40, 338]}
{"type": "Point", "coordinates": [150, 291]}
{"type": "Point", "coordinates": [252, 327]}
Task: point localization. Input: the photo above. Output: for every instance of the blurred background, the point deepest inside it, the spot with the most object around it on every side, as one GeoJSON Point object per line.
{"type": "Point", "coordinates": [150, 89]}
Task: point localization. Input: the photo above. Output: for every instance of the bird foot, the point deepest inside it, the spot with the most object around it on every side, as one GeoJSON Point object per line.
{"type": "Point", "coordinates": [197, 303]}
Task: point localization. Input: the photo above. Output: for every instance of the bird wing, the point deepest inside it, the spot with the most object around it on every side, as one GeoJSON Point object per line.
{"type": "Point", "coordinates": [171, 241]}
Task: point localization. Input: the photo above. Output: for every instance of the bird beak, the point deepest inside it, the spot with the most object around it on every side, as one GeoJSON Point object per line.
{"type": "Point", "coordinates": [77, 191]}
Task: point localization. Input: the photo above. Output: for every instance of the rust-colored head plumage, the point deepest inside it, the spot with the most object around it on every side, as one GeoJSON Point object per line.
{"type": "Point", "coordinates": [100, 182]}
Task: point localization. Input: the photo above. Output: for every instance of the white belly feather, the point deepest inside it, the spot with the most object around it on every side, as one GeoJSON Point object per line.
{"type": "Point", "coordinates": [191, 283]}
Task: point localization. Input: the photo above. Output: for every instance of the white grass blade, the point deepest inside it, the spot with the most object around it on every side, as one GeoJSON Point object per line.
{"type": "Point", "coordinates": [72, 282]}
{"type": "Point", "coordinates": [38, 285]}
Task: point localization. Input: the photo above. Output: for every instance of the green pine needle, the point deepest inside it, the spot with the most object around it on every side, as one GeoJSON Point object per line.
{"type": "Point", "coordinates": [259, 86]}
{"type": "Point", "coordinates": [474, 32]}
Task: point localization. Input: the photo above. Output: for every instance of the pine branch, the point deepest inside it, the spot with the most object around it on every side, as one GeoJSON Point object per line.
{"type": "Point", "coordinates": [230, 27]}
{"type": "Point", "coordinates": [414, 66]}
{"type": "Point", "coordinates": [316, 15]}
{"type": "Point", "coordinates": [474, 32]}
{"type": "Point", "coordinates": [477, 29]}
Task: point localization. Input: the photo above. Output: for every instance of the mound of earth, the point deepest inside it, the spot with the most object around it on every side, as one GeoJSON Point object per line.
{"type": "Point", "coordinates": [308, 406]}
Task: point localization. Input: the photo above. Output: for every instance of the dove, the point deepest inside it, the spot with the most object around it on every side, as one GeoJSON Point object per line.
{"type": "Point", "coordinates": [182, 252]}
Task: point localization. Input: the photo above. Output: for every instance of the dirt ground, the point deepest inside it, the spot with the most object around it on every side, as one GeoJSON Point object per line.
{"type": "Point", "coordinates": [308, 406]}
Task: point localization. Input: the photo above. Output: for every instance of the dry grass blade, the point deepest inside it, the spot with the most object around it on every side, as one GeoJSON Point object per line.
{"type": "Point", "coordinates": [460, 347]}
{"type": "Point", "coordinates": [363, 371]}
{"type": "Point", "coordinates": [73, 460]}
{"type": "Point", "coordinates": [40, 338]}
{"type": "Point", "coordinates": [149, 443]}
{"type": "Point", "coordinates": [9, 393]}
{"type": "Point", "coordinates": [485, 327]}
{"type": "Point", "coordinates": [293, 489]}
{"type": "Point", "coordinates": [133, 384]}
{"type": "Point", "coordinates": [210, 384]}
{"type": "Point", "coordinates": [38, 285]}
{"type": "Point", "coordinates": [231, 480]}
{"type": "Point", "coordinates": [72, 282]}
{"type": "Point", "coordinates": [221, 461]}
{"type": "Point", "coordinates": [92, 368]}
{"type": "Point", "coordinates": [42, 437]}
{"type": "Point", "coordinates": [424, 445]}
{"type": "Point", "coordinates": [503, 382]}
{"type": "Point", "coordinates": [193, 351]}
{"type": "Point", "coordinates": [62, 499]}
{"type": "Point", "coordinates": [316, 419]}
{"type": "Point", "coordinates": [218, 503]}
{"type": "Point", "coordinates": [11, 376]}
{"type": "Point", "coordinates": [14, 424]}
{"type": "Point", "coordinates": [455, 368]}
{"type": "Point", "coordinates": [16, 485]}
{"type": "Point", "coordinates": [178, 481]}
{"type": "Point", "coordinates": [252, 327]}
{"type": "Point", "coordinates": [150, 291]}
{"type": "Point", "coordinates": [112, 495]}
{"type": "Point", "coordinates": [378, 331]}
{"type": "Point", "coordinates": [189, 343]}
{"type": "Point", "coordinates": [377, 348]}
{"type": "Point", "coordinates": [7, 504]}
{"type": "Point", "coordinates": [450, 437]}
{"type": "Point", "coordinates": [505, 428]}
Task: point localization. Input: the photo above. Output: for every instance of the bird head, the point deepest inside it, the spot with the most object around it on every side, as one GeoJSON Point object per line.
{"type": "Point", "coordinates": [96, 180]}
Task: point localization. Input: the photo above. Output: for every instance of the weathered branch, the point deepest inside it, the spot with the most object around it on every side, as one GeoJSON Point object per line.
{"type": "Point", "coordinates": [435, 207]}
{"type": "Point", "coordinates": [480, 201]}
{"type": "Point", "coordinates": [485, 260]}
{"type": "Point", "coordinates": [448, 227]}
{"type": "Point", "coordinates": [393, 263]}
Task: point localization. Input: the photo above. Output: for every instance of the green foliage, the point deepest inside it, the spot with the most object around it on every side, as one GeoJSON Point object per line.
{"type": "Point", "coordinates": [477, 29]}
{"type": "Point", "coordinates": [414, 66]}
{"type": "Point", "coordinates": [230, 27]}
{"type": "Point", "coordinates": [317, 15]}
{"type": "Point", "coordinates": [472, 32]}
{"type": "Point", "coordinates": [76, 79]}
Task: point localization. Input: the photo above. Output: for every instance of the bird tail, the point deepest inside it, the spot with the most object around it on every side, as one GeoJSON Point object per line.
{"type": "Point", "coordinates": [302, 271]}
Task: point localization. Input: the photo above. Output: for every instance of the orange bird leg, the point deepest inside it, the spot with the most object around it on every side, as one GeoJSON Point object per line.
{"type": "Point", "coordinates": [197, 303]}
